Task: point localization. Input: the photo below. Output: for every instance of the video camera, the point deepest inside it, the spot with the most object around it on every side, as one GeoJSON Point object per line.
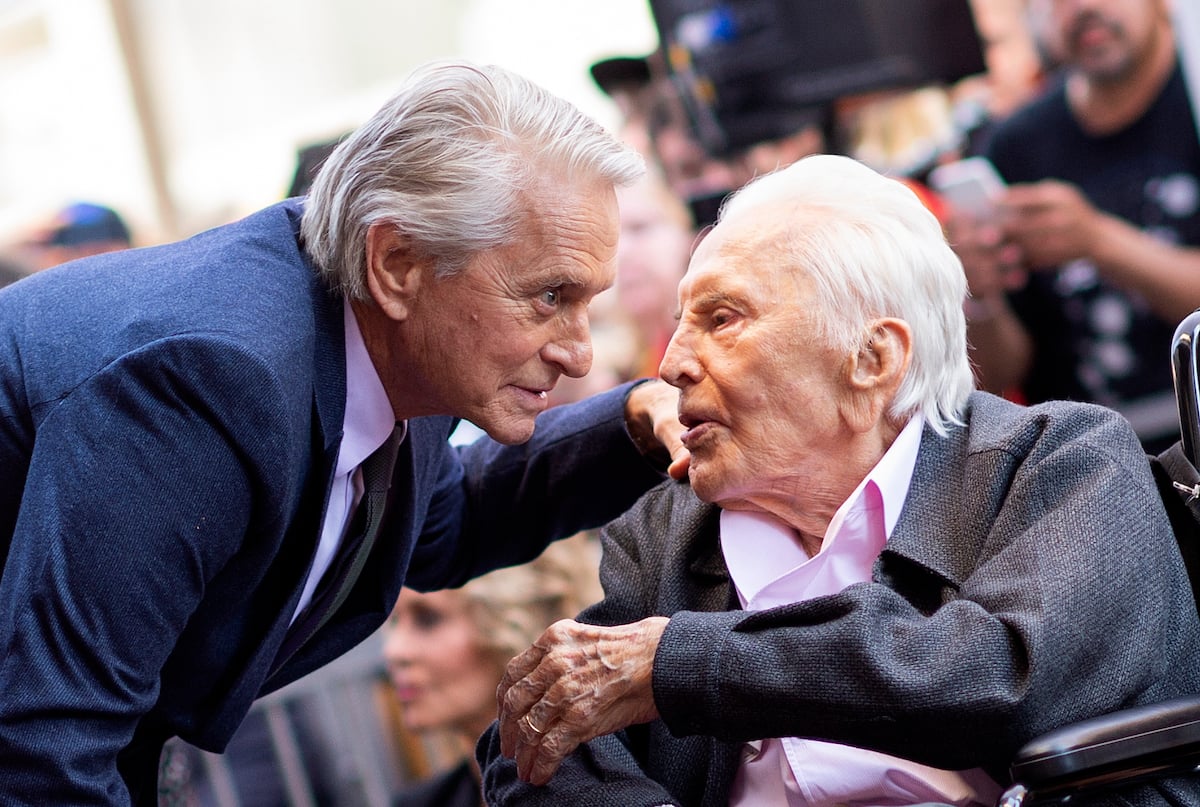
{"type": "Point", "coordinates": [743, 68]}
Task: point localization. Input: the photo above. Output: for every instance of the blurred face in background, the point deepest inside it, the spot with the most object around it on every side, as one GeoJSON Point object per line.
{"type": "Point", "coordinates": [702, 180]}
{"type": "Point", "coordinates": [688, 169]}
{"type": "Point", "coordinates": [1104, 39]}
{"type": "Point", "coordinates": [442, 677]}
{"type": "Point", "coordinates": [1014, 64]}
{"type": "Point", "coordinates": [652, 253]}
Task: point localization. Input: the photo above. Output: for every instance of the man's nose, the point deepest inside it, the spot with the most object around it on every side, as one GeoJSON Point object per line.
{"type": "Point", "coordinates": [572, 350]}
{"type": "Point", "coordinates": [679, 366]}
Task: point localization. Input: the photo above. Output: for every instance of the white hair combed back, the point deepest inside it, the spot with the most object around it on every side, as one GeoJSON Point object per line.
{"type": "Point", "coordinates": [874, 250]}
{"type": "Point", "coordinates": [445, 161]}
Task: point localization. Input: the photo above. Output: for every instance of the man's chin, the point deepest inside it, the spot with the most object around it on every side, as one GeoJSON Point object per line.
{"type": "Point", "coordinates": [703, 482]}
{"type": "Point", "coordinates": [509, 433]}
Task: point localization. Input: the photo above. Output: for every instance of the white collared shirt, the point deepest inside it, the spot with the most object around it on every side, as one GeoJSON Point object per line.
{"type": "Point", "coordinates": [368, 423]}
{"type": "Point", "coordinates": [794, 772]}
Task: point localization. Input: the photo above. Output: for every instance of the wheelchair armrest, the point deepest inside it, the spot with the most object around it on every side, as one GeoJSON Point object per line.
{"type": "Point", "coordinates": [1140, 740]}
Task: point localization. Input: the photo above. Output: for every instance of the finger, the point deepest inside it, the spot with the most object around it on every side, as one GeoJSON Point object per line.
{"type": "Point", "coordinates": [526, 679]}
{"type": "Point", "coordinates": [1026, 195]}
{"type": "Point", "coordinates": [528, 732]}
{"type": "Point", "coordinates": [539, 762]}
{"type": "Point", "coordinates": [514, 709]}
{"type": "Point", "coordinates": [670, 431]}
{"type": "Point", "coordinates": [517, 669]}
{"type": "Point", "coordinates": [651, 418]}
{"type": "Point", "coordinates": [680, 462]}
{"type": "Point", "coordinates": [509, 736]}
{"type": "Point", "coordinates": [522, 665]}
{"type": "Point", "coordinates": [543, 766]}
{"type": "Point", "coordinates": [526, 755]}
{"type": "Point", "coordinates": [570, 724]}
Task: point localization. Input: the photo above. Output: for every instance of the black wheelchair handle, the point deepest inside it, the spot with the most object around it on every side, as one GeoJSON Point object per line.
{"type": "Point", "coordinates": [1187, 393]}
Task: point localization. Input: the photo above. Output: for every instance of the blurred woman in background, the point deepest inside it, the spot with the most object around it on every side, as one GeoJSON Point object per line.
{"type": "Point", "coordinates": [446, 651]}
{"type": "Point", "coordinates": [652, 257]}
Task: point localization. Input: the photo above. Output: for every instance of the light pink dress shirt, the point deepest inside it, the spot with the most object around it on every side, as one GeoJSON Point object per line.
{"type": "Point", "coordinates": [791, 771]}
{"type": "Point", "coordinates": [368, 422]}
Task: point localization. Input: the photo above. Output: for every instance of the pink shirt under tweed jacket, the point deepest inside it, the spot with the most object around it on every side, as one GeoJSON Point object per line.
{"type": "Point", "coordinates": [769, 568]}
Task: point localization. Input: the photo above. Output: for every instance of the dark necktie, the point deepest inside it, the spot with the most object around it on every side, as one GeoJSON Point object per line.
{"type": "Point", "coordinates": [351, 556]}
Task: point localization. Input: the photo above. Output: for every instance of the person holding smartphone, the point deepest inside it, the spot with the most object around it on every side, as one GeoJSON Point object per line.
{"type": "Point", "coordinates": [1090, 258]}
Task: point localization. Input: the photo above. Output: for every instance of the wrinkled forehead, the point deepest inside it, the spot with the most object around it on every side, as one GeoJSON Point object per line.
{"type": "Point", "coordinates": [571, 225]}
{"type": "Point", "coordinates": [582, 203]}
{"type": "Point", "coordinates": [746, 257]}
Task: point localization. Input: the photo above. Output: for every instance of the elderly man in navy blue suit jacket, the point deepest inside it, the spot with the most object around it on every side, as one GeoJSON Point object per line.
{"type": "Point", "coordinates": [220, 459]}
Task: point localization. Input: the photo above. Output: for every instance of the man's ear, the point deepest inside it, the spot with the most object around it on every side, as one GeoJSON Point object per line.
{"type": "Point", "coordinates": [395, 269]}
{"type": "Point", "coordinates": [883, 359]}
{"type": "Point", "coordinates": [874, 372]}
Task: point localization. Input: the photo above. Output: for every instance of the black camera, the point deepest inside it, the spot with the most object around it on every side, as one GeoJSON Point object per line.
{"type": "Point", "coordinates": [743, 68]}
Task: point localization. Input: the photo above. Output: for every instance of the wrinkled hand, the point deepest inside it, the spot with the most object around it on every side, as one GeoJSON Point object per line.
{"type": "Point", "coordinates": [577, 682]}
{"type": "Point", "coordinates": [1051, 221]}
{"type": "Point", "coordinates": [652, 418]}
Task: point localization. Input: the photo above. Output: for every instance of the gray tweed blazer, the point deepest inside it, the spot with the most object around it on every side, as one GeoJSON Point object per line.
{"type": "Point", "coordinates": [1032, 580]}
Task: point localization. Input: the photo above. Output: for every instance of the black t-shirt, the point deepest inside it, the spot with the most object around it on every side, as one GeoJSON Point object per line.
{"type": "Point", "coordinates": [1094, 341]}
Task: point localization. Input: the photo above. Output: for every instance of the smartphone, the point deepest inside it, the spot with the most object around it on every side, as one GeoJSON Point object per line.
{"type": "Point", "coordinates": [970, 186]}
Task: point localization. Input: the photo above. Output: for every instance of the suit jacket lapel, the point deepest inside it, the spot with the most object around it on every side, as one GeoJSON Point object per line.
{"type": "Point", "coordinates": [700, 532]}
{"type": "Point", "coordinates": [329, 412]}
{"type": "Point", "coordinates": [712, 590]}
{"type": "Point", "coordinates": [940, 466]}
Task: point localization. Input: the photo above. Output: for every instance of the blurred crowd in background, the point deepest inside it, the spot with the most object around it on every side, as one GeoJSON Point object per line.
{"type": "Point", "coordinates": [905, 132]}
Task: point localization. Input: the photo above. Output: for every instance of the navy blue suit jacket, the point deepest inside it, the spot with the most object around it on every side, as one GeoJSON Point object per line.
{"type": "Point", "coordinates": [169, 422]}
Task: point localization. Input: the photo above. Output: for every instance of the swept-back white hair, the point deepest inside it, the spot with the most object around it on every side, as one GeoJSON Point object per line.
{"type": "Point", "coordinates": [446, 161]}
{"type": "Point", "coordinates": [874, 250]}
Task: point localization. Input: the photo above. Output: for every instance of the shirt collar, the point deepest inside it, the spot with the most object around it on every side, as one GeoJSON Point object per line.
{"type": "Point", "coordinates": [369, 417]}
{"type": "Point", "coordinates": [888, 480]}
{"type": "Point", "coordinates": [760, 550]}
{"type": "Point", "coordinates": [893, 474]}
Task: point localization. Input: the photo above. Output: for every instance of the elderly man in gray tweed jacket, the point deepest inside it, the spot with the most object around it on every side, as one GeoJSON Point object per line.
{"type": "Point", "coordinates": [876, 584]}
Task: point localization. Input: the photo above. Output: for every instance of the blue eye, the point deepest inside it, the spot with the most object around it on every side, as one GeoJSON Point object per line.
{"type": "Point", "coordinates": [550, 297]}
